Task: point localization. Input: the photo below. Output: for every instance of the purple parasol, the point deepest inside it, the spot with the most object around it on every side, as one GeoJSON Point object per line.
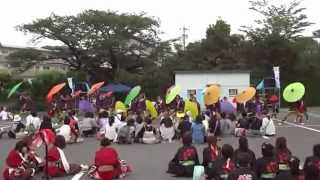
{"type": "Point", "coordinates": [227, 107]}
{"type": "Point", "coordinates": [85, 106]}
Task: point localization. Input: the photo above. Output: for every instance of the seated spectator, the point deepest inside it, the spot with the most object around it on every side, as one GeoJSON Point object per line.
{"type": "Point", "coordinates": [126, 133]}
{"type": "Point", "coordinates": [184, 126]}
{"type": "Point", "coordinates": [4, 114]}
{"type": "Point", "coordinates": [167, 130]}
{"type": "Point", "coordinates": [224, 164]}
{"type": "Point", "coordinates": [296, 173]}
{"type": "Point", "coordinates": [266, 167]}
{"type": "Point", "coordinates": [148, 133]}
{"type": "Point", "coordinates": [242, 125]}
{"type": "Point", "coordinates": [58, 165]}
{"type": "Point", "coordinates": [267, 127]}
{"type": "Point", "coordinates": [185, 159]}
{"type": "Point", "coordinates": [18, 165]}
{"type": "Point", "coordinates": [33, 122]}
{"type": "Point", "coordinates": [198, 131]}
{"type": "Point", "coordinates": [312, 164]}
{"type": "Point", "coordinates": [89, 125]}
{"type": "Point", "coordinates": [244, 148]}
{"type": "Point", "coordinates": [65, 130]}
{"type": "Point", "coordinates": [110, 130]}
{"type": "Point", "coordinates": [17, 129]}
{"type": "Point", "coordinates": [214, 124]}
{"type": "Point", "coordinates": [283, 155]}
{"type": "Point", "coordinates": [139, 126]}
{"type": "Point", "coordinates": [46, 123]}
{"type": "Point", "coordinates": [210, 155]}
{"type": "Point", "coordinates": [243, 170]}
{"type": "Point", "coordinates": [226, 125]}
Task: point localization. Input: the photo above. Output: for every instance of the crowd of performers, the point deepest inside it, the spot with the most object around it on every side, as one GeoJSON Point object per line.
{"type": "Point", "coordinates": [100, 119]}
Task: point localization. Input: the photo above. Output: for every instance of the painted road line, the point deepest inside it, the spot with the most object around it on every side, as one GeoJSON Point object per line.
{"type": "Point", "coordinates": [300, 126]}
{"type": "Point", "coordinates": [281, 126]}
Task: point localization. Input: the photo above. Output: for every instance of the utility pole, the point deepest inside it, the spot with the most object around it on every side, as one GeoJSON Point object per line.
{"type": "Point", "coordinates": [184, 37]}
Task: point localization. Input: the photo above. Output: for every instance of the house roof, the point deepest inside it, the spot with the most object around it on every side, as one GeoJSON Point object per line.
{"type": "Point", "coordinates": [214, 72]}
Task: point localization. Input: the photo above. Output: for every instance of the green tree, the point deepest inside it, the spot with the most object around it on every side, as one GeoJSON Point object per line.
{"type": "Point", "coordinates": [98, 42]}
{"type": "Point", "coordinates": [23, 59]}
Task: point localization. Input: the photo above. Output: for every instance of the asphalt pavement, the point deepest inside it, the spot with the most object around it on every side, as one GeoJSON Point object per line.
{"type": "Point", "coordinates": [150, 162]}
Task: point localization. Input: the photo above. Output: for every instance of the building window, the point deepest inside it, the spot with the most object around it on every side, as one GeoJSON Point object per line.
{"type": "Point", "coordinates": [233, 92]}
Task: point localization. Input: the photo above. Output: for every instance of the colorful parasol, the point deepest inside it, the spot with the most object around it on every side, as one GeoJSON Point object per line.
{"type": "Point", "coordinates": [211, 95]}
{"type": "Point", "coordinates": [172, 93]}
{"type": "Point", "coordinates": [95, 87]}
{"type": "Point", "coordinates": [246, 95]}
{"type": "Point", "coordinates": [294, 92]}
{"type": "Point", "coordinates": [134, 92]}
{"type": "Point", "coordinates": [227, 107]}
{"type": "Point", "coordinates": [152, 110]}
{"type": "Point", "coordinates": [14, 89]}
{"type": "Point", "coordinates": [120, 107]}
{"type": "Point", "coordinates": [54, 90]}
{"type": "Point", "coordinates": [192, 107]}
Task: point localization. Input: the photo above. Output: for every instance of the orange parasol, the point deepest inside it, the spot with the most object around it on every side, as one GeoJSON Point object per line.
{"type": "Point", "coordinates": [95, 87]}
{"type": "Point", "coordinates": [212, 95]}
{"type": "Point", "coordinates": [54, 90]}
{"type": "Point", "coordinates": [246, 95]}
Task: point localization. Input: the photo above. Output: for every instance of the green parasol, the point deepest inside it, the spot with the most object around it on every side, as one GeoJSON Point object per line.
{"type": "Point", "coordinates": [132, 94]}
{"type": "Point", "coordinates": [14, 89]}
{"type": "Point", "coordinates": [173, 92]}
{"type": "Point", "coordinates": [294, 92]}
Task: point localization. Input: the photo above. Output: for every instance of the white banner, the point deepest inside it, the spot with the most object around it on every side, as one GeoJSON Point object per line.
{"type": "Point", "coordinates": [276, 71]}
{"type": "Point", "coordinates": [70, 83]}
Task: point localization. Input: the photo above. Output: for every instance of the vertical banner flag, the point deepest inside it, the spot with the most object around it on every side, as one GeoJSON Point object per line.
{"type": "Point", "coordinates": [70, 84]}
{"type": "Point", "coordinates": [276, 71]}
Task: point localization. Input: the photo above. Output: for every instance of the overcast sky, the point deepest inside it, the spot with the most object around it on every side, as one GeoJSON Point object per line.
{"type": "Point", "coordinates": [196, 15]}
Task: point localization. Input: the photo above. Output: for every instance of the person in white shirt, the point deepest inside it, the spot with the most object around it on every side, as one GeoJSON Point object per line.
{"type": "Point", "coordinates": [65, 130]}
{"type": "Point", "coordinates": [267, 127]}
{"type": "Point", "coordinates": [110, 129]}
{"type": "Point", "coordinates": [4, 115]}
{"type": "Point", "coordinates": [33, 120]}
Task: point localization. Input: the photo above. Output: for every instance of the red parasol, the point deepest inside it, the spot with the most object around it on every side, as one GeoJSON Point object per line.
{"type": "Point", "coordinates": [95, 87]}
{"type": "Point", "coordinates": [274, 98]}
{"type": "Point", "coordinates": [54, 90]}
{"type": "Point", "coordinates": [108, 94]}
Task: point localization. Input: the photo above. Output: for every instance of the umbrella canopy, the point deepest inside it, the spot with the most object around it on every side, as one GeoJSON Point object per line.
{"type": "Point", "coordinates": [95, 87]}
{"type": "Point", "coordinates": [108, 94]}
{"type": "Point", "coordinates": [294, 92]}
{"type": "Point", "coordinates": [120, 107]}
{"type": "Point", "coordinates": [227, 107]}
{"type": "Point", "coordinates": [211, 95]}
{"type": "Point", "coordinates": [116, 88]}
{"type": "Point", "coordinates": [132, 94]}
{"type": "Point", "coordinates": [172, 93]}
{"type": "Point", "coordinates": [14, 89]}
{"type": "Point", "coordinates": [192, 107]}
{"type": "Point", "coordinates": [85, 106]}
{"type": "Point", "coordinates": [54, 90]}
{"type": "Point", "coordinates": [246, 95]}
{"type": "Point", "coordinates": [274, 98]}
{"type": "Point", "coordinates": [152, 110]}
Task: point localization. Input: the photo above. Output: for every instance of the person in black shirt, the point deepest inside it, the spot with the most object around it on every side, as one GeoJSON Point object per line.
{"type": "Point", "coordinates": [312, 164]}
{"type": "Point", "coordinates": [184, 126]}
{"type": "Point", "coordinates": [243, 170]}
{"type": "Point", "coordinates": [244, 148]}
{"type": "Point", "coordinates": [266, 167]}
{"type": "Point", "coordinates": [185, 159]}
{"type": "Point", "coordinates": [223, 165]}
{"type": "Point", "coordinates": [210, 155]}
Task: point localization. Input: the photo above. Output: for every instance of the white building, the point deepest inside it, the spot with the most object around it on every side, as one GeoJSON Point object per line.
{"type": "Point", "coordinates": [194, 82]}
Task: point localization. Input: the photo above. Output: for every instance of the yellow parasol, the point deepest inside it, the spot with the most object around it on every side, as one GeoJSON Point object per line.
{"type": "Point", "coordinates": [192, 107]}
{"type": "Point", "coordinates": [211, 95]}
{"type": "Point", "coordinates": [151, 109]}
{"type": "Point", "coordinates": [120, 107]}
{"type": "Point", "coordinates": [246, 95]}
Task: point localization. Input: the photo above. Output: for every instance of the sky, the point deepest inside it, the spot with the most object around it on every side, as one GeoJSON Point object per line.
{"type": "Point", "coordinates": [195, 15]}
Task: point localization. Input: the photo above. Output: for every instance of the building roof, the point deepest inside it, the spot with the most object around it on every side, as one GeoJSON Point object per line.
{"type": "Point", "coordinates": [214, 72]}
{"type": "Point", "coordinates": [8, 46]}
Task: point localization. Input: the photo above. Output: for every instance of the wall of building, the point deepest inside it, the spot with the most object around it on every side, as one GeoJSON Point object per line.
{"type": "Point", "coordinates": [230, 83]}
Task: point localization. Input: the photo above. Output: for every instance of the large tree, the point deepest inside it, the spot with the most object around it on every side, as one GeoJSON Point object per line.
{"type": "Point", "coordinates": [98, 42]}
